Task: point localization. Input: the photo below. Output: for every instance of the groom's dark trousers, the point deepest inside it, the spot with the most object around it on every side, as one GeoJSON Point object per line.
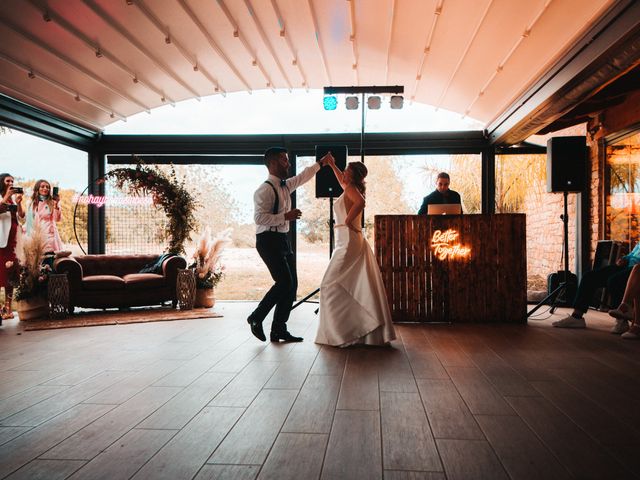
{"type": "Point", "coordinates": [275, 250]}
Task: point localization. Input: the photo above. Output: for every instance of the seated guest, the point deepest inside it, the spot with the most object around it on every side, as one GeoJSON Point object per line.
{"type": "Point", "coordinates": [628, 309]}
{"type": "Point", "coordinates": [614, 277]}
{"type": "Point", "coordinates": [442, 194]}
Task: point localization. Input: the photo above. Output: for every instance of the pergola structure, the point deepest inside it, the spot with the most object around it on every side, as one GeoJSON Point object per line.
{"type": "Point", "coordinates": [69, 68]}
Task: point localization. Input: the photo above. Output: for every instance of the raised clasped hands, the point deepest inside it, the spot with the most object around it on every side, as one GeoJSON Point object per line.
{"type": "Point", "coordinates": [293, 214]}
{"type": "Point", "coordinates": [327, 160]}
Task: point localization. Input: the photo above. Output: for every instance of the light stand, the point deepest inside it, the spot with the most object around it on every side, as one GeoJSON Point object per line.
{"type": "Point", "coordinates": [348, 90]}
{"type": "Point", "coordinates": [331, 245]}
{"type": "Point", "coordinates": [564, 280]}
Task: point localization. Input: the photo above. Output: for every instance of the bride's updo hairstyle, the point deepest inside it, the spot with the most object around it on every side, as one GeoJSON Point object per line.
{"type": "Point", "coordinates": [358, 173]}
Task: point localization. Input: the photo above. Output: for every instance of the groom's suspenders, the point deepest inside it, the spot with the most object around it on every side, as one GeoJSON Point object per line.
{"type": "Point", "coordinates": [276, 204]}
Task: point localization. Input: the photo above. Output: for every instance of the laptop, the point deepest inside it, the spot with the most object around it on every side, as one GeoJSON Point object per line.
{"type": "Point", "coordinates": [444, 209]}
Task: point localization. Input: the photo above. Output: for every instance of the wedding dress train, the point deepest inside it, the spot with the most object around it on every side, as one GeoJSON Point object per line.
{"type": "Point", "coordinates": [353, 302]}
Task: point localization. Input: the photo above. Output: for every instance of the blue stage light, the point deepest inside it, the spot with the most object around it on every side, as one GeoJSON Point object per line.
{"type": "Point", "coordinates": [330, 102]}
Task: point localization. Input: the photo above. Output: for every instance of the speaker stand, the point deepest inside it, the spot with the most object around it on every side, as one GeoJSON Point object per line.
{"type": "Point", "coordinates": [331, 244]}
{"type": "Point", "coordinates": [564, 283]}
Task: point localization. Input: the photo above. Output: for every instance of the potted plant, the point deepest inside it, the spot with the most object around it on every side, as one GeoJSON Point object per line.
{"type": "Point", "coordinates": [208, 267]}
{"type": "Point", "coordinates": [29, 276]}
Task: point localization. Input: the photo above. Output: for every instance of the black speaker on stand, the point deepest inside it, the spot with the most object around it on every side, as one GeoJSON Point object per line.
{"type": "Point", "coordinates": [566, 172]}
{"type": "Point", "coordinates": [327, 186]}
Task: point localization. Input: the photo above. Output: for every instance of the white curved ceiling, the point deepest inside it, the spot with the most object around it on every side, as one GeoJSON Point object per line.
{"type": "Point", "coordinates": [97, 61]}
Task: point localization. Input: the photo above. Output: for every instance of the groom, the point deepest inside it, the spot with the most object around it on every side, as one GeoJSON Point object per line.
{"type": "Point", "coordinates": [272, 214]}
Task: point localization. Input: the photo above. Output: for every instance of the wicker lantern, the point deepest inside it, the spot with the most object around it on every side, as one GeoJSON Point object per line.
{"type": "Point", "coordinates": [58, 295]}
{"type": "Point", "coordinates": [185, 288]}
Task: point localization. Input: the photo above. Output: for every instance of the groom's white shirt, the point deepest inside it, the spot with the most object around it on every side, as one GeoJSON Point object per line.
{"type": "Point", "coordinates": [263, 200]}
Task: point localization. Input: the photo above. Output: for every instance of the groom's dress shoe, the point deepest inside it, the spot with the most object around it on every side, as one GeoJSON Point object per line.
{"type": "Point", "coordinates": [256, 329]}
{"type": "Point", "coordinates": [286, 337]}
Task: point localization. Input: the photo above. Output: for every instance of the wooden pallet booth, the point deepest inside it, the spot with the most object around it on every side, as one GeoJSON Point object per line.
{"type": "Point", "coordinates": [454, 268]}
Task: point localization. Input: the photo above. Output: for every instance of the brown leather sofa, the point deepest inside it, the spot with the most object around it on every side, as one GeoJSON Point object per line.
{"type": "Point", "coordinates": [106, 281]}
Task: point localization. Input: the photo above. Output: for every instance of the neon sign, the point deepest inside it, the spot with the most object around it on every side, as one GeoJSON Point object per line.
{"type": "Point", "coordinates": [99, 200]}
{"type": "Point", "coordinates": [444, 246]}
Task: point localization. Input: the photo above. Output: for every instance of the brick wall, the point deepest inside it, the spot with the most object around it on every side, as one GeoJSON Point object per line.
{"type": "Point", "coordinates": [545, 231]}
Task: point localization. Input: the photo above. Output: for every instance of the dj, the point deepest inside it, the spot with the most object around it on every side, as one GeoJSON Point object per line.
{"type": "Point", "coordinates": [442, 194]}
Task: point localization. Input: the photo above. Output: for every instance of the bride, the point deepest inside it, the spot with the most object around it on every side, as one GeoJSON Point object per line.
{"type": "Point", "coordinates": [353, 302]}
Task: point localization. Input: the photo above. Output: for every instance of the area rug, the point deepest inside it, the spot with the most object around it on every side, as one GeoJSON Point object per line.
{"type": "Point", "coordinates": [115, 317]}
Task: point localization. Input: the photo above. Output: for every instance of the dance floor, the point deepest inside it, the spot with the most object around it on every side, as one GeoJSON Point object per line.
{"type": "Point", "coordinates": [203, 399]}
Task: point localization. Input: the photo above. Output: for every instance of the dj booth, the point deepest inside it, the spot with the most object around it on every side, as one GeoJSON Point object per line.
{"type": "Point", "coordinates": [454, 268]}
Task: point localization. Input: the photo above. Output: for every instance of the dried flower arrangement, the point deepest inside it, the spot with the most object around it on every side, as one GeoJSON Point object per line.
{"type": "Point", "coordinates": [207, 257]}
{"type": "Point", "coordinates": [29, 276]}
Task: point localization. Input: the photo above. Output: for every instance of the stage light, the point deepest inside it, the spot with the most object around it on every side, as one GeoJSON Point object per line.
{"type": "Point", "coordinates": [351, 103]}
{"type": "Point", "coordinates": [396, 102]}
{"type": "Point", "coordinates": [330, 102]}
{"type": "Point", "coordinates": [374, 102]}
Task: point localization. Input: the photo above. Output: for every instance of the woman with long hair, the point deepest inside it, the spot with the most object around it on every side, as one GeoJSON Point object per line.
{"type": "Point", "coordinates": [10, 211]}
{"type": "Point", "coordinates": [353, 301]}
{"type": "Point", "coordinates": [45, 209]}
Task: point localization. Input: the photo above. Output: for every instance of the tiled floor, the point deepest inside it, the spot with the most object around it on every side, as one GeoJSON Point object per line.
{"type": "Point", "coordinates": [204, 399]}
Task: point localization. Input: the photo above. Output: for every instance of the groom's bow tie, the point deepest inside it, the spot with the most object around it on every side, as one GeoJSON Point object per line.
{"type": "Point", "coordinates": [283, 182]}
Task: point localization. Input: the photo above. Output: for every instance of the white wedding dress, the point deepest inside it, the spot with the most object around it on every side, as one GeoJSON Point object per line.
{"type": "Point", "coordinates": [353, 303]}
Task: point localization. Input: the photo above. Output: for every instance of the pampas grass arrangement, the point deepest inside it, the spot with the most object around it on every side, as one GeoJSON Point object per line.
{"type": "Point", "coordinates": [32, 275]}
{"type": "Point", "coordinates": [207, 258]}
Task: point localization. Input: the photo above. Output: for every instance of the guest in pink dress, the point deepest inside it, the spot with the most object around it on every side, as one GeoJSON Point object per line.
{"type": "Point", "coordinates": [10, 211]}
{"type": "Point", "coordinates": [45, 209]}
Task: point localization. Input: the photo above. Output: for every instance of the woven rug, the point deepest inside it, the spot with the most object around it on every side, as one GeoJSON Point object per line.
{"type": "Point", "coordinates": [90, 318]}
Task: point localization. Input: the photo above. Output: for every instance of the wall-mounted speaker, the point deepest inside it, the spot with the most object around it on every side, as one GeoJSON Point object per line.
{"type": "Point", "coordinates": [326, 183]}
{"type": "Point", "coordinates": [566, 164]}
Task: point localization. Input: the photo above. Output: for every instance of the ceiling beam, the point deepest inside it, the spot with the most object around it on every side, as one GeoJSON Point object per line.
{"type": "Point", "coordinates": [295, 61]}
{"type": "Point", "coordinates": [454, 72]}
{"type": "Point", "coordinates": [255, 61]}
{"type": "Point", "coordinates": [49, 15]}
{"type": "Point", "coordinates": [171, 40]}
{"type": "Point", "coordinates": [392, 17]}
{"type": "Point", "coordinates": [71, 63]}
{"type": "Point", "coordinates": [212, 43]}
{"type": "Point", "coordinates": [32, 74]}
{"type": "Point", "coordinates": [25, 118]}
{"type": "Point", "coordinates": [265, 40]}
{"type": "Point", "coordinates": [123, 32]}
{"type": "Point", "coordinates": [427, 46]}
{"type": "Point", "coordinates": [500, 66]}
{"type": "Point", "coordinates": [64, 111]}
{"type": "Point", "coordinates": [414, 143]}
{"type": "Point", "coordinates": [354, 41]}
{"type": "Point", "coordinates": [608, 50]}
{"type": "Point", "coordinates": [316, 31]}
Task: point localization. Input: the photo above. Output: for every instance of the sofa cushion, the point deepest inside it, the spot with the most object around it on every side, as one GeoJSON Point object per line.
{"type": "Point", "coordinates": [139, 281]}
{"type": "Point", "coordinates": [103, 282]}
{"type": "Point", "coordinates": [119, 265]}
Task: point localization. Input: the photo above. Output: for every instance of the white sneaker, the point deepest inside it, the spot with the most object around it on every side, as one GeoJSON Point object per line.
{"type": "Point", "coordinates": [623, 312]}
{"type": "Point", "coordinates": [570, 322]}
{"type": "Point", "coordinates": [621, 326]}
{"type": "Point", "coordinates": [632, 334]}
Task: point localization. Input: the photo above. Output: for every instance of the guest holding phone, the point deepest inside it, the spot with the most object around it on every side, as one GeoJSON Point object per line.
{"type": "Point", "coordinates": [10, 211]}
{"type": "Point", "coordinates": [45, 209]}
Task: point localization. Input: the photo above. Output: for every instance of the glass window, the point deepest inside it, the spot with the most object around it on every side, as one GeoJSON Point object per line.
{"type": "Point", "coordinates": [623, 196]}
{"type": "Point", "coordinates": [225, 194]}
{"type": "Point", "coordinates": [29, 158]}
{"type": "Point", "coordinates": [521, 188]}
{"type": "Point", "coordinates": [395, 185]}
